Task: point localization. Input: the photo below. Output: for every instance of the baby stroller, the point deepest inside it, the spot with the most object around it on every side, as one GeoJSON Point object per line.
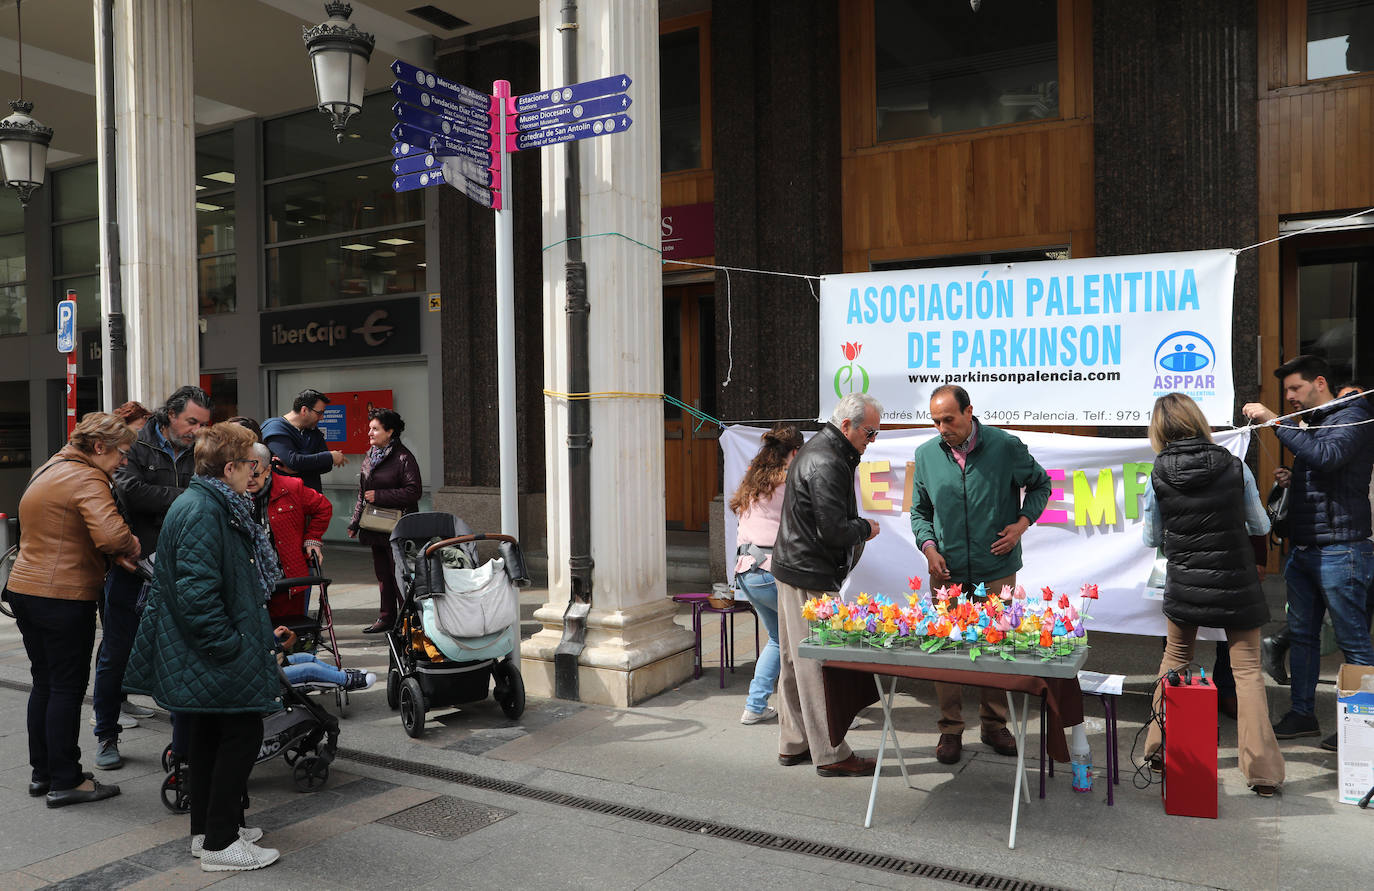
{"type": "Point", "coordinates": [458, 626]}
{"type": "Point", "coordinates": [303, 733]}
{"type": "Point", "coordinates": [316, 632]}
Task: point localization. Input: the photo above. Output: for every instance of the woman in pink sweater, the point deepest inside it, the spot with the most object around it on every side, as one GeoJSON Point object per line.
{"type": "Point", "coordinates": [758, 504]}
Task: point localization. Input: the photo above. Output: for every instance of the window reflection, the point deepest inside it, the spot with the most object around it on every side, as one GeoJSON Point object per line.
{"type": "Point", "coordinates": [373, 265]}
{"type": "Point", "coordinates": [1335, 307]}
{"type": "Point", "coordinates": [941, 67]}
{"type": "Point", "coordinates": [304, 142]}
{"type": "Point", "coordinates": [342, 201]}
{"type": "Point", "coordinates": [1340, 37]}
{"type": "Point", "coordinates": [13, 295]}
{"type": "Point", "coordinates": [680, 99]}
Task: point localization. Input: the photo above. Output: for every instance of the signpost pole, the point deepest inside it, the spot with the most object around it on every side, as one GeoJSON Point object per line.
{"type": "Point", "coordinates": [505, 324]}
{"type": "Point", "coordinates": [71, 394]}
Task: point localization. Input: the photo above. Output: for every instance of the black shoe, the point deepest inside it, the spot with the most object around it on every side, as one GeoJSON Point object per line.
{"type": "Point", "coordinates": [381, 626]}
{"type": "Point", "coordinates": [81, 796]}
{"type": "Point", "coordinates": [36, 789]}
{"type": "Point", "coordinates": [1330, 743]}
{"type": "Point", "coordinates": [803, 757]}
{"type": "Point", "coordinates": [1294, 725]}
{"type": "Point", "coordinates": [1272, 654]}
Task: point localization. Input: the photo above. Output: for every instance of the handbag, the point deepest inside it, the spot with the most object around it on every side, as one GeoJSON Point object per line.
{"type": "Point", "coordinates": [1276, 506]}
{"type": "Point", "coordinates": [379, 519]}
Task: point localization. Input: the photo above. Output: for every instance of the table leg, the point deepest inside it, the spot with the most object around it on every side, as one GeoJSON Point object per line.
{"type": "Point", "coordinates": [696, 632]}
{"type": "Point", "coordinates": [1042, 748]}
{"type": "Point", "coordinates": [1113, 768]}
{"type": "Point", "coordinates": [723, 650]}
{"type": "Point", "coordinates": [885, 700]}
{"type": "Point", "coordinates": [1021, 786]}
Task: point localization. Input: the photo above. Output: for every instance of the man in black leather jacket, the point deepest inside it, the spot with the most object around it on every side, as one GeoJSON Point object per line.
{"type": "Point", "coordinates": [158, 470]}
{"type": "Point", "coordinates": [820, 538]}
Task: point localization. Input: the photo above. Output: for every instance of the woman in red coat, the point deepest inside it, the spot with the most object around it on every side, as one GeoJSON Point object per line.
{"type": "Point", "coordinates": [390, 478]}
{"type": "Point", "coordinates": [298, 517]}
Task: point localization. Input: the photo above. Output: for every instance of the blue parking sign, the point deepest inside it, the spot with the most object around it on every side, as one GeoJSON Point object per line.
{"type": "Point", "coordinates": [66, 326]}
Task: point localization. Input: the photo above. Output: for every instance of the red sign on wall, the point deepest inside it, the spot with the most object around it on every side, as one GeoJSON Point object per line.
{"type": "Point", "coordinates": [689, 230]}
{"type": "Point", "coordinates": [344, 424]}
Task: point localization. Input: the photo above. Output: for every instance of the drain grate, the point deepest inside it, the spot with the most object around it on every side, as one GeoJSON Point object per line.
{"type": "Point", "coordinates": [447, 817]}
{"type": "Point", "coordinates": [884, 862]}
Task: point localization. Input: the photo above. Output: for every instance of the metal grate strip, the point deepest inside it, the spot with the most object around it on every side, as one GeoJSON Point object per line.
{"type": "Point", "coordinates": [882, 862]}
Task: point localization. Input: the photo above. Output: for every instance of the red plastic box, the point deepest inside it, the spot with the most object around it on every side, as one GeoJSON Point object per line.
{"type": "Point", "coordinates": [1190, 749]}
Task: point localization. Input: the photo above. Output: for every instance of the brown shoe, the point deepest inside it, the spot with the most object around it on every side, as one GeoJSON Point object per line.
{"type": "Point", "coordinates": [853, 766]}
{"type": "Point", "coordinates": [1227, 706]}
{"type": "Point", "coordinates": [1000, 741]}
{"type": "Point", "coordinates": [802, 757]}
{"type": "Point", "coordinates": [949, 749]}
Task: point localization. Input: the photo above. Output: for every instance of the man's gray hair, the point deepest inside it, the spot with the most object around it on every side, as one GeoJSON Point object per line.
{"type": "Point", "coordinates": [852, 408]}
{"type": "Point", "coordinates": [264, 456]}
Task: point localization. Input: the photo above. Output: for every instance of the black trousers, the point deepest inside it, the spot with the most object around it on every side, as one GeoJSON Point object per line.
{"type": "Point", "coordinates": [59, 636]}
{"type": "Point", "coordinates": [385, 570]}
{"type": "Point", "coordinates": [222, 751]}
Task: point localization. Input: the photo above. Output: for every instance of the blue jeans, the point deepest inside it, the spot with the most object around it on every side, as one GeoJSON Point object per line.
{"type": "Point", "coordinates": [304, 668]}
{"type": "Point", "coordinates": [118, 622]}
{"type": "Point", "coordinates": [762, 592]}
{"type": "Point", "coordinates": [1335, 579]}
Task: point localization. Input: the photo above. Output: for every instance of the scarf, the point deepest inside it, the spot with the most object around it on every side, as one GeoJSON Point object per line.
{"type": "Point", "coordinates": [376, 455]}
{"type": "Point", "coordinates": [241, 518]}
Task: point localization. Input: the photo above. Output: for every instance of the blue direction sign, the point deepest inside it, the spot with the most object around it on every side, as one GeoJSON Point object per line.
{"type": "Point", "coordinates": [562, 114]}
{"type": "Point", "coordinates": [66, 326]}
{"type": "Point", "coordinates": [445, 147]}
{"type": "Point", "coordinates": [590, 89]}
{"type": "Point", "coordinates": [439, 124]}
{"type": "Point", "coordinates": [411, 181]}
{"type": "Point", "coordinates": [568, 132]}
{"type": "Point", "coordinates": [408, 73]}
{"type": "Point", "coordinates": [476, 172]}
{"type": "Point", "coordinates": [415, 163]}
{"type": "Point", "coordinates": [439, 103]}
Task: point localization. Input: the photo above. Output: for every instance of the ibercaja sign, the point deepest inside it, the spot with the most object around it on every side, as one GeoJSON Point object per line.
{"type": "Point", "coordinates": [342, 331]}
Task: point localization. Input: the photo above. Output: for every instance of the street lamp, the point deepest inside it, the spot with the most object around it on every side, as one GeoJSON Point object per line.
{"type": "Point", "coordinates": [339, 54]}
{"type": "Point", "coordinates": [23, 140]}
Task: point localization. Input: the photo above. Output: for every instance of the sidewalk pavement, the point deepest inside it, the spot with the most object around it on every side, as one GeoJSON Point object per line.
{"type": "Point", "coordinates": [581, 796]}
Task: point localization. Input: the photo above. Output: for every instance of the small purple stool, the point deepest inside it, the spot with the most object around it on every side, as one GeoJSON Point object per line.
{"type": "Point", "coordinates": [1113, 753]}
{"type": "Point", "coordinates": [701, 603]}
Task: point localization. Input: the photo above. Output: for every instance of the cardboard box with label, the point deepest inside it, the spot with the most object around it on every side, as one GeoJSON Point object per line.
{"type": "Point", "coordinates": [1355, 731]}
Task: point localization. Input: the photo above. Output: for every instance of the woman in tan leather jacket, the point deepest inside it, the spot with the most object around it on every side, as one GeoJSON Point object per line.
{"type": "Point", "coordinates": [69, 524]}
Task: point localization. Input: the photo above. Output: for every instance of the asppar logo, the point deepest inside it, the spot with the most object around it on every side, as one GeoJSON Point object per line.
{"type": "Point", "coordinates": [1185, 362]}
{"type": "Point", "coordinates": [846, 381]}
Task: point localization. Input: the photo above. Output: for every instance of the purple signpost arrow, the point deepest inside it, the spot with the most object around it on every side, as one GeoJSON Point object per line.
{"type": "Point", "coordinates": [438, 103]}
{"type": "Point", "coordinates": [589, 89]}
{"type": "Point", "coordinates": [562, 114]}
{"type": "Point", "coordinates": [568, 132]}
{"type": "Point", "coordinates": [433, 82]}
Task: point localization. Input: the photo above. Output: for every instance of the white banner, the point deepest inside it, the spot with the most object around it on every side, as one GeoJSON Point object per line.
{"type": "Point", "coordinates": [1121, 330]}
{"type": "Point", "coordinates": [1090, 530]}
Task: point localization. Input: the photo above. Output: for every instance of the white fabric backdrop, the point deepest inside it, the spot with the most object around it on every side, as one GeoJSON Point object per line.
{"type": "Point", "coordinates": [1057, 551]}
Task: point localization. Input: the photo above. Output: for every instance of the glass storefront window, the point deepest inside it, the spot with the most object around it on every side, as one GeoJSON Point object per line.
{"type": "Point", "coordinates": [217, 278]}
{"type": "Point", "coordinates": [215, 161]}
{"type": "Point", "coordinates": [679, 91]}
{"type": "Point", "coordinates": [305, 142]}
{"type": "Point", "coordinates": [340, 201]}
{"type": "Point", "coordinates": [372, 265]}
{"type": "Point", "coordinates": [15, 432]}
{"type": "Point", "coordinates": [217, 266]}
{"type": "Point", "coordinates": [13, 272]}
{"type": "Point", "coordinates": [940, 66]}
{"type": "Point", "coordinates": [1340, 37]}
{"type": "Point", "coordinates": [1336, 304]}
{"type": "Point", "coordinates": [76, 247]}
{"type": "Point", "coordinates": [87, 289]}
{"type": "Point", "coordinates": [215, 223]}
{"type": "Point", "coordinates": [223, 387]}
{"type": "Point", "coordinates": [76, 193]}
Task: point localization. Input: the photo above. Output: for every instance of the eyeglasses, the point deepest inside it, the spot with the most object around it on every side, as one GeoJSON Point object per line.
{"type": "Point", "coordinates": [870, 433]}
{"type": "Point", "coordinates": [252, 461]}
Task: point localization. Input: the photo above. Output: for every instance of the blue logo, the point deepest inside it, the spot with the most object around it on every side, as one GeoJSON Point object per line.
{"type": "Point", "coordinates": [1184, 352]}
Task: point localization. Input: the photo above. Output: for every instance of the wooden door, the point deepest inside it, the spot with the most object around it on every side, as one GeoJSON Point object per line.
{"type": "Point", "coordinates": [691, 456]}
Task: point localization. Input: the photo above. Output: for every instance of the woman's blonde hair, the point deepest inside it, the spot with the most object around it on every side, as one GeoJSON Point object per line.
{"type": "Point", "coordinates": [219, 444]}
{"type": "Point", "coordinates": [102, 427]}
{"type": "Point", "coordinates": [1177, 417]}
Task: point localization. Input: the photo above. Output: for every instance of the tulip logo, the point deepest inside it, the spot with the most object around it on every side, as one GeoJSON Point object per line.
{"type": "Point", "coordinates": [844, 375]}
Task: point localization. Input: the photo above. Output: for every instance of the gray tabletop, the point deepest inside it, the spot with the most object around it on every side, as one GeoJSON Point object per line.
{"type": "Point", "coordinates": [955, 660]}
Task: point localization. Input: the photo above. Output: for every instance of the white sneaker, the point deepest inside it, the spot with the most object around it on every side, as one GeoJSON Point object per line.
{"type": "Point", "coordinates": [126, 722]}
{"type": "Point", "coordinates": [134, 710]}
{"type": "Point", "coordinates": [249, 834]}
{"type": "Point", "coordinates": [768, 714]}
{"type": "Point", "coordinates": [240, 855]}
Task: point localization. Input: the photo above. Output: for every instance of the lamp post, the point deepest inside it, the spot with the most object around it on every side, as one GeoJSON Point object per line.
{"type": "Point", "coordinates": [23, 140]}
{"type": "Point", "coordinates": [339, 54]}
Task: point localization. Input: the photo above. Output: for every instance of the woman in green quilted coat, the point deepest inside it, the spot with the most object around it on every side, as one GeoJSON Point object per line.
{"type": "Point", "coordinates": [204, 644]}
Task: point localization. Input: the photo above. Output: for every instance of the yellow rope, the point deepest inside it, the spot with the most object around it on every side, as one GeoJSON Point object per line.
{"type": "Point", "coordinates": [605, 394]}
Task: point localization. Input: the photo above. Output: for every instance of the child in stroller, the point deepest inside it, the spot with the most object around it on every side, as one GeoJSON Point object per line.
{"type": "Point", "coordinates": [458, 628]}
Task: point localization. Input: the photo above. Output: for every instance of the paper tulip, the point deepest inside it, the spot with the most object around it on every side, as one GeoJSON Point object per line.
{"type": "Point", "coordinates": [981, 591]}
{"type": "Point", "coordinates": [1047, 592]}
{"type": "Point", "coordinates": [914, 583]}
{"type": "Point", "coordinates": [1006, 592]}
{"type": "Point", "coordinates": [1063, 601]}
{"type": "Point", "coordinates": [1019, 593]}
{"type": "Point", "coordinates": [1045, 639]}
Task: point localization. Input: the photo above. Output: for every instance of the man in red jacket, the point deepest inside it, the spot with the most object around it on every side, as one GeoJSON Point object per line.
{"type": "Point", "coordinates": [298, 517]}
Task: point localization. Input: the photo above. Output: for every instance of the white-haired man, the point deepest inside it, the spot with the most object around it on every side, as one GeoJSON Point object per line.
{"type": "Point", "coordinates": [820, 538]}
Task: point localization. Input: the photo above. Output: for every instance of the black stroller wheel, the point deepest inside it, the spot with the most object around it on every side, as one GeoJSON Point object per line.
{"type": "Point", "coordinates": [310, 773]}
{"type": "Point", "coordinates": [412, 708]}
{"type": "Point", "coordinates": [513, 700]}
{"type": "Point", "coordinates": [168, 759]}
{"type": "Point", "coordinates": [393, 689]}
{"type": "Point", "coordinates": [175, 796]}
{"type": "Point", "coordinates": [291, 756]}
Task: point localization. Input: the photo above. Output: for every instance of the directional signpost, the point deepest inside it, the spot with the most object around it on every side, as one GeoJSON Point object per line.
{"type": "Point", "coordinates": [446, 132]}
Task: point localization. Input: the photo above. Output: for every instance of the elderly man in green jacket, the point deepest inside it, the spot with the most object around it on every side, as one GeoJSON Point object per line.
{"type": "Point", "coordinates": [968, 515]}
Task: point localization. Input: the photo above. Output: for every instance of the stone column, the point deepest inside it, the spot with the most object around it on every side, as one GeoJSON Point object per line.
{"type": "Point", "coordinates": [633, 647]}
{"type": "Point", "coordinates": [155, 172]}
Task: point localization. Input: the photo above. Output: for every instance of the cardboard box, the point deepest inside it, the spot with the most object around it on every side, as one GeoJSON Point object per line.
{"type": "Point", "coordinates": [1354, 733]}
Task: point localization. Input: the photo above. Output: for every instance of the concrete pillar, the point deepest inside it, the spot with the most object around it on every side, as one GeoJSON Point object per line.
{"type": "Point", "coordinates": [155, 172]}
{"type": "Point", "coordinates": [633, 647]}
